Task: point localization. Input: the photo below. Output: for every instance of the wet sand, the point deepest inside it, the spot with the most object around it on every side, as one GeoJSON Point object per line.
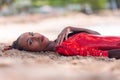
{"type": "Point", "coordinates": [24, 65]}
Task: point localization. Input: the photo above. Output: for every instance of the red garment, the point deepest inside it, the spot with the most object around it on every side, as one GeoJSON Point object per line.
{"type": "Point", "coordinates": [84, 44]}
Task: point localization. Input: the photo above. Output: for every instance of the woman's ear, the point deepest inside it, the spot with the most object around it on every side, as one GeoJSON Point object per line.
{"type": "Point", "coordinates": [6, 48]}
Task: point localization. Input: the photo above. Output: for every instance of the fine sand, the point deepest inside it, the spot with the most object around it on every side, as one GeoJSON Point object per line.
{"type": "Point", "coordinates": [24, 65]}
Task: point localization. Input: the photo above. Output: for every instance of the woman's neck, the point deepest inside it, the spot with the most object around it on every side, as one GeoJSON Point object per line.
{"type": "Point", "coordinates": [51, 46]}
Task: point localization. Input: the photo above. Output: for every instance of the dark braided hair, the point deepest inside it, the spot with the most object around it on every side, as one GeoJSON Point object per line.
{"type": "Point", "coordinates": [16, 45]}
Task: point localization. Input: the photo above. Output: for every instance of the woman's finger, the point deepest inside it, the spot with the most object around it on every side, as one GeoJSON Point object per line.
{"type": "Point", "coordinates": [67, 32]}
{"type": "Point", "coordinates": [63, 35]}
{"type": "Point", "coordinates": [59, 39]}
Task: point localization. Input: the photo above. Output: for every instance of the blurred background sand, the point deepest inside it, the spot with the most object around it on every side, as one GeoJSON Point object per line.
{"type": "Point", "coordinates": [49, 17]}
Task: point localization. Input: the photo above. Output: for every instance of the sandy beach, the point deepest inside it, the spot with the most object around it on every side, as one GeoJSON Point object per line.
{"type": "Point", "coordinates": [24, 65]}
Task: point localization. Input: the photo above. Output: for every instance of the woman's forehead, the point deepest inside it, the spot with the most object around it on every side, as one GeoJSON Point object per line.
{"type": "Point", "coordinates": [23, 37]}
{"type": "Point", "coordinates": [29, 33]}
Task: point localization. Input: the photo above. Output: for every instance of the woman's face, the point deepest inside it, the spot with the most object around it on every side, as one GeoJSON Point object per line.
{"type": "Point", "coordinates": [33, 41]}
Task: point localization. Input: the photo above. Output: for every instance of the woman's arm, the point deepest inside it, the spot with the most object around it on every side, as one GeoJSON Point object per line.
{"type": "Point", "coordinates": [71, 31]}
{"type": "Point", "coordinates": [114, 53]}
{"type": "Point", "coordinates": [75, 29]}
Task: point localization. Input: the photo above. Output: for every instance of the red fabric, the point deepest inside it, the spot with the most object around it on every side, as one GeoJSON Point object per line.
{"type": "Point", "coordinates": [84, 44]}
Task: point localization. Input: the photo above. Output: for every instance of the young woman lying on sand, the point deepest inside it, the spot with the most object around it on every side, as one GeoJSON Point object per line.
{"type": "Point", "coordinates": [70, 42]}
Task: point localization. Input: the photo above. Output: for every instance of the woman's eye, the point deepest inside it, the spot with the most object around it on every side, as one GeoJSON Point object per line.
{"type": "Point", "coordinates": [31, 33]}
{"type": "Point", "coordinates": [30, 41]}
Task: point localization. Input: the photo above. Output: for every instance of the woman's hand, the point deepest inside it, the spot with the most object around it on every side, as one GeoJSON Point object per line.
{"type": "Point", "coordinates": [63, 35]}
